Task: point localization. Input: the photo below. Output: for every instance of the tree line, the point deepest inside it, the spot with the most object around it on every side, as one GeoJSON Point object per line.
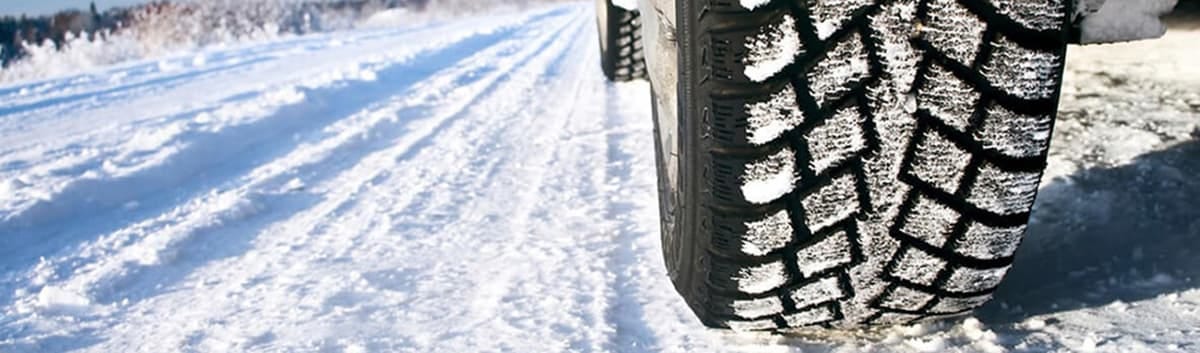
{"type": "Point", "coordinates": [17, 32]}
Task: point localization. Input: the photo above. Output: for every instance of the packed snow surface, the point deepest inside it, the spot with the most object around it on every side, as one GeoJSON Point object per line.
{"type": "Point", "coordinates": [475, 186]}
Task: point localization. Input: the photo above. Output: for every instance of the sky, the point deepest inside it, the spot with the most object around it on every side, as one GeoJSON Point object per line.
{"type": "Point", "coordinates": [43, 7]}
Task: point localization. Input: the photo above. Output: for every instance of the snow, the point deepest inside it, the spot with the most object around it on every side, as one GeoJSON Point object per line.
{"type": "Point", "coordinates": [827, 253]}
{"type": "Point", "coordinates": [753, 4]}
{"type": "Point", "coordinates": [770, 51]}
{"type": "Point", "coordinates": [474, 185]}
{"type": "Point", "coordinates": [1123, 20]}
{"type": "Point", "coordinates": [625, 4]}
{"type": "Point", "coordinates": [767, 235]}
{"type": "Point", "coordinates": [770, 178]}
{"type": "Point", "coordinates": [53, 300]}
{"type": "Point", "coordinates": [768, 120]}
{"type": "Point", "coordinates": [760, 279]}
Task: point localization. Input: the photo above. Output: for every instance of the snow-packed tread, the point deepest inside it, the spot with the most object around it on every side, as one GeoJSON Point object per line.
{"type": "Point", "coordinates": [914, 149]}
{"type": "Point", "coordinates": [622, 56]}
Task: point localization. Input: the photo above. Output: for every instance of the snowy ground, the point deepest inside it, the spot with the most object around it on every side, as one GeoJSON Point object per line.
{"type": "Point", "coordinates": [476, 186]}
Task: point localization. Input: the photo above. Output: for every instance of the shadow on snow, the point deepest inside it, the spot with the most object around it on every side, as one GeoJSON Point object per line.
{"type": "Point", "coordinates": [1124, 233]}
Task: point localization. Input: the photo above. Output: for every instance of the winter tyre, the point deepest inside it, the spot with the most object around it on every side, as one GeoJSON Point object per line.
{"type": "Point", "coordinates": [620, 42]}
{"type": "Point", "coordinates": [846, 163]}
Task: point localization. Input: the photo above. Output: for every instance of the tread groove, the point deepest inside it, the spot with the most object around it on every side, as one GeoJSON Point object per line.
{"type": "Point", "coordinates": [857, 154]}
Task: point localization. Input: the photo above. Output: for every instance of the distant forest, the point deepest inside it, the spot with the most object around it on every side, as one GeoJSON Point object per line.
{"type": "Point", "coordinates": [291, 17]}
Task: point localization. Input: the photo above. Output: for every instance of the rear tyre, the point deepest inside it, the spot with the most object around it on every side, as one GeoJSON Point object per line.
{"type": "Point", "coordinates": [845, 163]}
{"type": "Point", "coordinates": [621, 55]}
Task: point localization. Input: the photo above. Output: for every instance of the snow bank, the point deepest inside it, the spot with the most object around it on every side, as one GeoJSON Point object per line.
{"type": "Point", "coordinates": [158, 30]}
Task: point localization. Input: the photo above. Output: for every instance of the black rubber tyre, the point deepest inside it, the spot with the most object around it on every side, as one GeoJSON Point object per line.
{"type": "Point", "coordinates": [846, 163]}
{"type": "Point", "coordinates": [620, 42]}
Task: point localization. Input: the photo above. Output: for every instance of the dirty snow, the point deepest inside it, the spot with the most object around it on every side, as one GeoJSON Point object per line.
{"type": "Point", "coordinates": [474, 185]}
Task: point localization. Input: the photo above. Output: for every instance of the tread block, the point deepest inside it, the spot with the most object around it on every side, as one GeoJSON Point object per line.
{"type": "Point", "coordinates": [891, 317]}
{"type": "Point", "coordinates": [831, 203]}
{"type": "Point", "coordinates": [835, 140]}
{"type": "Point", "coordinates": [767, 120]}
{"type": "Point", "coordinates": [768, 179]}
{"type": "Point", "coordinates": [892, 27]}
{"type": "Point", "coordinates": [757, 279]}
{"type": "Point", "coordinates": [754, 308]}
{"type": "Point", "coordinates": [1036, 15]}
{"type": "Point", "coordinates": [844, 66]}
{"type": "Point", "coordinates": [918, 267]}
{"type": "Point", "coordinates": [1014, 134]}
{"type": "Point", "coordinates": [816, 292]}
{"type": "Point", "coordinates": [930, 221]}
{"type": "Point", "coordinates": [753, 325]}
{"type": "Point", "coordinates": [1004, 192]}
{"type": "Point", "coordinates": [773, 48]}
{"type": "Point", "coordinates": [766, 235]}
{"type": "Point", "coordinates": [954, 30]}
{"type": "Point", "coordinates": [948, 98]}
{"type": "Point", "coordinates": [829, 15]}
{"type": "Point", "coordinates": [835, 250]}
{"type": "Point", "coordinates": [906, 299]}
{"type": "Point", "coordinates": [986, 242]}
{"type": "Point", "coordinates": [940, 162]}
{"type": "Point", "coordinates": [810, 317]}
{"type": "Point", "coordinates": [958, 305]}
{"type": "Point", "coordinates": [1021, 72]}
{"type": "Point", "coordinates": [967, 280]}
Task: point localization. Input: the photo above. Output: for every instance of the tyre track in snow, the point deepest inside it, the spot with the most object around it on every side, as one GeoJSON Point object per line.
{"type": "Point", "coordinates": [75, 92]}
{"type": "Point", "coordinates": [206, 159]}
{"type": "Point", "coordinates": [116, 266]}
{"type": "Point", "coordinates": [315, 162]}
{"type": "Point", "coordinates": [359, 212]}
{"type": "Point", "coordinates": [82, 149]}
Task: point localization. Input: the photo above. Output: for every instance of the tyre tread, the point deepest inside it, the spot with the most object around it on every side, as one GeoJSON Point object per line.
{"type": "Point", "coordinates": [870, 172]}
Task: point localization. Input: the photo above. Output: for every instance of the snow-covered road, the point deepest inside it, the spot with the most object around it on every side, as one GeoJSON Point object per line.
{"type": "Point", "coordinates": [475, 186]}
